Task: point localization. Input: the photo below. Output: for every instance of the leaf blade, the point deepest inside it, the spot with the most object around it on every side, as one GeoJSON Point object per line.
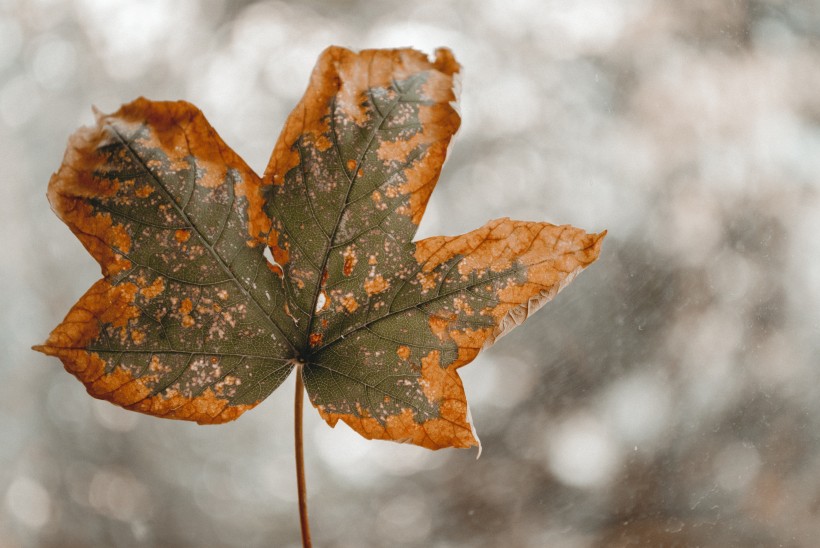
{"type": "Point", "coordinates": [327, 175]}
{"type": "Point", "coordinates": [501, 273]}
{"type": "Point", "coordinates": [192, 322]}
{"type": "Point", "coordinates": [178, 326]}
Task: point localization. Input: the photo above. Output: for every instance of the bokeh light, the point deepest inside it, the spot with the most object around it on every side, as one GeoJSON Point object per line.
{"type": "Point", "coordinates": [668, 397]}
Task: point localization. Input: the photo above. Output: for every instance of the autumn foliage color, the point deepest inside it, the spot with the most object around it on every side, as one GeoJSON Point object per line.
{"type": "Point", "coordinates": [217, 282]}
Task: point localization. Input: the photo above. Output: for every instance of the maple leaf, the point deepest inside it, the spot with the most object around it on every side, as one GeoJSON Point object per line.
{"type": "Point", "coordinates": [192, 321]}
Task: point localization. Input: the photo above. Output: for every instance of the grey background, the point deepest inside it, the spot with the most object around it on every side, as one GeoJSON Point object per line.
{"type": "Point", "coordinates": [668, 397]}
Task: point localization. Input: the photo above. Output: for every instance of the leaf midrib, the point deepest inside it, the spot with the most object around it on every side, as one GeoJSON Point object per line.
{"type": "Point", "coordinates": [345, 205]}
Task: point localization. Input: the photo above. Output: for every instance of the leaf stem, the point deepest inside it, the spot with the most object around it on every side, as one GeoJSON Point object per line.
{"type": "Point", "coordinates": [300, 457]}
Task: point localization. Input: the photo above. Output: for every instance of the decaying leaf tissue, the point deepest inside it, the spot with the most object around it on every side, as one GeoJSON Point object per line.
{"type": "Point", "coordinates": [217, 281]}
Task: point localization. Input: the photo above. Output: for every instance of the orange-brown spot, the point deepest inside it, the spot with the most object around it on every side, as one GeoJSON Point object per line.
{"type": "Point", "coordinates": [403, 352]}
{"type": "Point", "coordinates": [187, 320]}
{"type": "Point", "coordinates": [186, 306]}
{"type": "Point", "coordinates": [398, 151]}
{"type": "Point", "coordinates": [281, 254]}
{"type": "Point", "coordinates": [375, 285]}
{"type": "Point", "coordinates": [463, 306]}
{"type": "Point", "coordinates": [137, 336]}
{"type": "Point", "coordinates": [258, 221]}
{"type": "Point", "coordinates": [351, 165]}
{"type": "Point", "coordinates": [315, 339]}
{"type": "Point", "coordinates": [227, 382]}
{"type": "Point", "coordinates": [439, 325]}
{"type": "Point", "coordinates": [182, 235]}
{"type": "Point", "coordinates": [323, 143]}
{"type": "Point", "coordinates": [427, 280]}
{"type": "Point", "coordinates": [350, 260]}
{"type": "Point", "coordinates": [349, 303]}
{"type": "Point", "coordinates": [433, 376]}
{"type": "Point", "coordinates": [154, 289]}
{"type": "Point", "coordinates": [144, 191]}
{"type": "Point", "coordinates": [120, 239]}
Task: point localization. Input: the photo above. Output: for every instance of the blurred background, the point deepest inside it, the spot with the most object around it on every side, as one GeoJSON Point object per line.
{"type": "Point", "coordinates": [668, 397]}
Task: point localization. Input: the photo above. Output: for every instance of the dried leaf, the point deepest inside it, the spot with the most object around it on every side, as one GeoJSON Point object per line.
{"type": "Point", "coordinates": [192, 321]}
